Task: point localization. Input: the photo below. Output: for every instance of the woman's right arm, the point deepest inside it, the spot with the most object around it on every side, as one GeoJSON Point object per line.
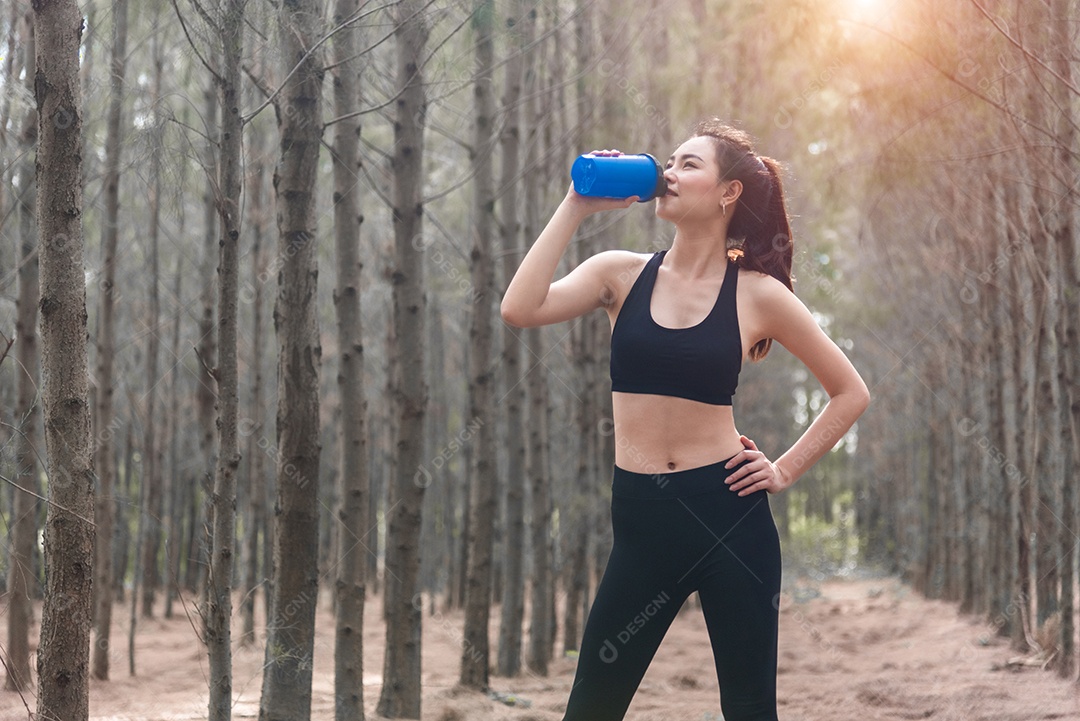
{"type": "Point", "coordinates": [532, 299]}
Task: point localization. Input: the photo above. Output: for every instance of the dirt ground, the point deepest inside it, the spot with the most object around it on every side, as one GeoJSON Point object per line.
{"type": "Point", "coordinates": [850, 650]}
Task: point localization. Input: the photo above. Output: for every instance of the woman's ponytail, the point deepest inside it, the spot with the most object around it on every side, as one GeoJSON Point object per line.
{"type": "Point", "coordinates": [759, 226]}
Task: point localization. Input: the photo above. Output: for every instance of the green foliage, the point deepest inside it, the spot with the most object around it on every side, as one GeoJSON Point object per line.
{"type": "Point", "coordinates": [817, 547]}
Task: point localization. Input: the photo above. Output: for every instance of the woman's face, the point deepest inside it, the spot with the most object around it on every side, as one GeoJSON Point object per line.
{"type": "Point", "coordinates": [692, 175]}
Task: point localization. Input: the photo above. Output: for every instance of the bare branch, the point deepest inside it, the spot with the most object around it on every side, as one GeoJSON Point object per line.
{"type": "Point", "coordinates": [203, 14]}
{"type": "Point", "coordinates": [7, 670]}
{"type": "Point", "coordinates": [469, 81]}
{"type": "Point", "coordinates": [960, 83]}
{"type": "Point", "coordinates": [7, 347]}
{"type": "Point", "coordinates": [202, 361]}
{"type": "Point", "coordinates": [419, 68]}
{"type": "Point", "coordinates": [368, 49]}
{"type": "Point", "coordinates": [42, 498]}
{"type": "Point", "coordinates": [217, 78]}
{"type": "Point", "coordinates": [256, 80]}
{"type": "Point", "coordinates": [344, 24]}
{"type": "Point", "coordinates": [172, 118]}
{"type": "Point", "coordinates": [1019, 46]}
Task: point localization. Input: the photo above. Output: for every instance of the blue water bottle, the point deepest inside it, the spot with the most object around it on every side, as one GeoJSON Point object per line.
{"type": "Point", "coordinates": [619, 176]}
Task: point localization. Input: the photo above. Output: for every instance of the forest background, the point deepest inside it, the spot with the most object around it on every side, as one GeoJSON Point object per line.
{"type": "Point", "coordinates": [263, 433]}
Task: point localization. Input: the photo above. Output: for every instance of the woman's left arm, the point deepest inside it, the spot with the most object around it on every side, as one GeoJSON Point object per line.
{"type": "Point", "coordinates": [788, 321]}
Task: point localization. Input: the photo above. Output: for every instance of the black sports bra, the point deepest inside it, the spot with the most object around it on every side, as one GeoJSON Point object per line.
{"type": "Point", "coordinates": [701, 363]}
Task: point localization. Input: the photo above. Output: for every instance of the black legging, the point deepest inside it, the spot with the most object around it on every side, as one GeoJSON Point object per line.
{"type": "Point", "coordinates": [676, 533]}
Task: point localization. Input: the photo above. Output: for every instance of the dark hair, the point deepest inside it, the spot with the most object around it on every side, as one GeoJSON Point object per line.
{"type": "Point", "coordinates": [759, 224]}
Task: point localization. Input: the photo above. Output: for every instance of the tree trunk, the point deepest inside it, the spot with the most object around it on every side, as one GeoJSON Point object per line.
{"type": "Point", "coordinates": [1005, 412]}
{"type": "Point", "coordinates": [400, 696]}
{"type": "Point", "coordinates": [152, 510]}
{"type": "Point", "coordinates": [1063, 224]}
{"type": "Point", "coordinates": [377, 474]}
{"type": "Point", "coordinates": [482, 505]}
{"type": "Point", "coordinates": [264, 480]}
{"type": "Point", "coordinates": [541, 599]}
{"type": "Point", "coordinates": [466, 533]}
{"type": "Point", "coordinates": [106, 424]}
{"type": "Point", "coordinates": [353, 531]}
{"type": "Point", "coordinates": [21, 580]}
{"type": "Point", "coordinates": [576, 539]}
{"type": "Point", "coordinates": [553, 128]}
{"type": "Point", "coordinates": [658, 133]}
{"type": "Point", "coordinates": [198, 555]}
{"type": "Point", "coordinates": [973, 559]}
{"type": "Point", "coordinates": [513, 595]}
{"type": "Point", "coordinates": [14, 62]}
{"type": "Point", "coordinates": [574, 570]}
{"type": "Point", "coordinates": [174, 510]}
{"type": "Point", "coordinates": [1047, 450]}
{"type": "Point", "coordinates": [291, 629]}
{"type": "Point", "coordinates": [1065, 663]}
{"type": "Point", "coordinates": [122, 507]}
{"type": "Point", "coordinates": [64, 645]}
{"type": "Point", "coordinates": [140, 529]}
{"type": "Point", "coordinates": [999, 393]}
{"type": "Point", "coordinates": [439, 500]}
{"type": "Point", "coordinates": [1022, 361]}
{"type": "Point", "coordinates": [392, 422]}
{"type": "Point", "coordinates": [253, 425]}
{"type": "Point", "coordinates": [219, 609]}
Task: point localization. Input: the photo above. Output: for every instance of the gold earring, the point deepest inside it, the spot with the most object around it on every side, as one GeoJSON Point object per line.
{"type": "Point", "coordinates": [723, 209]}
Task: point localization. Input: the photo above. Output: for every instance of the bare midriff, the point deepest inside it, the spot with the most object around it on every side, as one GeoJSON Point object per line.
{"type": "Point", "coordinates": [661, 434]}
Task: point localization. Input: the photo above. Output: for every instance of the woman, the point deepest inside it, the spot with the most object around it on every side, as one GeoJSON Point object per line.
{"type": "Point", "coordinates": [688, 512]}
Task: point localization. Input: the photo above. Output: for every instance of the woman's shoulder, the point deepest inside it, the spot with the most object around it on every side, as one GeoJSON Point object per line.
{"type": "Point", "coordinates": [765, 292]}
{"type": "Point", "coordinates": [767, 295]}
{"type": "Point", "coordinates": [764, 303]}
{"type": "Point", "coordinates": [758, 282]}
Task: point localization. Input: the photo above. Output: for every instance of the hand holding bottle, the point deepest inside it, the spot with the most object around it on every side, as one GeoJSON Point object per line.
{"type": "Point", "coordinates": [610, 174]}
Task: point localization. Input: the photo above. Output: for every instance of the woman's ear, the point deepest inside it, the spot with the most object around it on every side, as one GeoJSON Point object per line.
{"type": "Point", "coordinates": [732, 191]}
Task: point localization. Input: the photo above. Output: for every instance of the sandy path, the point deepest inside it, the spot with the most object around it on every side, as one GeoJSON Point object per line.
{"type": "Point", "coordinates": [850, 650]}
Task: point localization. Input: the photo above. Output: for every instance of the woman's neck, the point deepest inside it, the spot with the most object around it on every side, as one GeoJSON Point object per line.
{"type": "Point", "coordinates": [699, 252]}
